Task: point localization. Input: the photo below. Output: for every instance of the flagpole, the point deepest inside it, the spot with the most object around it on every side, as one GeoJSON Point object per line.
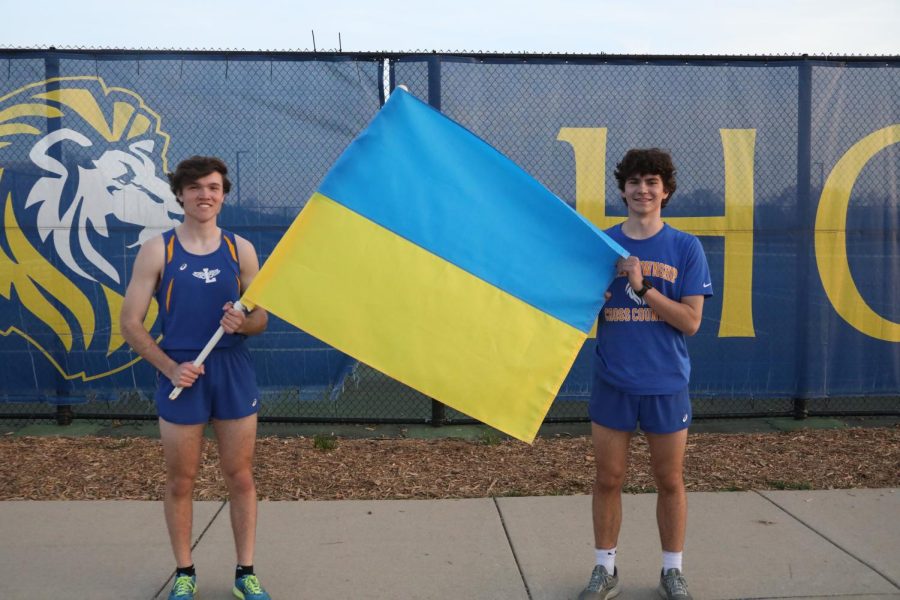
{"type": "Point", "coordinates": [206, 350]}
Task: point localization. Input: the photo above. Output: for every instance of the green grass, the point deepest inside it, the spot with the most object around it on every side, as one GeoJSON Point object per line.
{"type": "Point", "coordinates": [787, 485]}
{"type": "Point", "coordinates": [489, 437]}
{"type": "Point", "coordinates": [324, 442]}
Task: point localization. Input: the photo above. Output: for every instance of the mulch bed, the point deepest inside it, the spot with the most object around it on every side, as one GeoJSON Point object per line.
{"type": "Point", "coordinates": [303, 468]}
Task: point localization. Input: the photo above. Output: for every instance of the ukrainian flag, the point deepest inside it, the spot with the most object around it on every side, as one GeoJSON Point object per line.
{"type": "Point", "coordinates": [430, 256]}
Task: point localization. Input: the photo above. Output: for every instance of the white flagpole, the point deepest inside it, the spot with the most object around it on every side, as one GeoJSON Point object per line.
{"type": "Point", "coordinates": [206, 350]}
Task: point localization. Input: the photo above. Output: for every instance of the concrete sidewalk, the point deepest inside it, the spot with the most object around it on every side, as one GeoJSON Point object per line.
{"type": "Point", "coordinates": [782, 544]}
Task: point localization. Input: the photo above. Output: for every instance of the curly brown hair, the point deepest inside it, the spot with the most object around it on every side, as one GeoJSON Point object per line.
{"type": "Point", "coordinates": [197, 167]}
{"type": "Point", "coordinates": [648, 161]}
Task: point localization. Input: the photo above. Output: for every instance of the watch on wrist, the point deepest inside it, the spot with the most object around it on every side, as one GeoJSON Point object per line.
{"type": "Point", "coordinates": [647, 287]}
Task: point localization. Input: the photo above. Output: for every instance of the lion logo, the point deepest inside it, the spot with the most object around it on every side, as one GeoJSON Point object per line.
{"type": "Point", "coordinates": [82, 185]}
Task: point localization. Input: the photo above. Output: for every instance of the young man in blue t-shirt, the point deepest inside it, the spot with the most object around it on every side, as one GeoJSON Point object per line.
{"type": "Point", "coordinates": [641, 367]}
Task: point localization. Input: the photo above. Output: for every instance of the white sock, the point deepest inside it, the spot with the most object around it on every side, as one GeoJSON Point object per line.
{"type": "Point", "coordinates": [671, 560]}
{"type": "Point", "coordinates": [607, 558]}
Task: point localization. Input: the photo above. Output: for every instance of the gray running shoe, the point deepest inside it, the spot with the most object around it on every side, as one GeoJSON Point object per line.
{"type": "Point", "coordinates": [602, 585]}
{"type": "Point", "coordinates": [672, 586]}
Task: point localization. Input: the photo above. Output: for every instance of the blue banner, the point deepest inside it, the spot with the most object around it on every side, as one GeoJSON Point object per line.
{"type": "Point", "coordinates": [787, 171]}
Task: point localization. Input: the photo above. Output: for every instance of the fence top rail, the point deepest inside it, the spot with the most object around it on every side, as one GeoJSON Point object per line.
{"type": "Point", "coordinates": [420, 55]}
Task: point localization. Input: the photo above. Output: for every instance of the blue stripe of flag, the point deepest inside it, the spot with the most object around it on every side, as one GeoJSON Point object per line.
{"type": "Point", "coordinates": [429, 180]}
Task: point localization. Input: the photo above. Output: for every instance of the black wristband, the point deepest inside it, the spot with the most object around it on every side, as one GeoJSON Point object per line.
{"type": "Point", "coordinates": [647, 287]}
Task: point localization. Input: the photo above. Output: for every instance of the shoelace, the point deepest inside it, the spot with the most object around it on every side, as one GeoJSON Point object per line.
{"type": "Point", "coordinates": [183, 585]}
{"type": "Point", "coordinates": [598, 580]}
{"type": "Point", "coordinates": [676, 583]}
{"type": "Point", "coordinates": [251, 584]}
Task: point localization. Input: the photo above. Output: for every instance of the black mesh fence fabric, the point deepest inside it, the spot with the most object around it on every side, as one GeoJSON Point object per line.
{"type": "Point", "coordinates": [788, 172]}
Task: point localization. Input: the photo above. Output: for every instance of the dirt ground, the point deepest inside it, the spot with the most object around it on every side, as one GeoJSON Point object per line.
{"type": "Point", "coordinates": [325, 468]}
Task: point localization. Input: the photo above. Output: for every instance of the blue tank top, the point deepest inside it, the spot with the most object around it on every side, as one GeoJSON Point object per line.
{"type": "Point", "coordinates": [192, 292]}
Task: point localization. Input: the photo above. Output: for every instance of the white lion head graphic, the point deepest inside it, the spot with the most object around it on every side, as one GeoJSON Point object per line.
{"type": "Point", "coordinates": [119, 185]}
{"type": "Point", "coordinates": [82, 180]}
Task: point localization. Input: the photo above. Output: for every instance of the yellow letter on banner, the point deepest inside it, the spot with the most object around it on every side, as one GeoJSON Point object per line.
{"type": "Point", "coordinates": [831, 237]}
{"type": "Point", "coordinates": [589, 145]}
{"type": "Point", "coordinates": [736, 226]}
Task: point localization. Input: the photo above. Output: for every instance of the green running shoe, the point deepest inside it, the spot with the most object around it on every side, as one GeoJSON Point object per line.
{"type": "Point", "coordinates": [185, 588]}
{"type": "Point", "coordinates": [249, 588]}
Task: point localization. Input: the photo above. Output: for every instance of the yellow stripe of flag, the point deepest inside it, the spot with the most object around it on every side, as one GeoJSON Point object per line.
{"type": "Point", "coordinates": [414, 315]}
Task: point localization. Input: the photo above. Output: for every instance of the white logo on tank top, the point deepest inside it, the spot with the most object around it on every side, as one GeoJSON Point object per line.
{"type": "Point", "coordinates": [182, 267]}
{"type": "Point", "coordinates": [207, 275]}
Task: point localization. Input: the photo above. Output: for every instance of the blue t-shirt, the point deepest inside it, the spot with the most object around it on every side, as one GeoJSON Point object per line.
{"type": "Point", "coordinates": [193, 290]}
{"type": "Point", "coordinates": [638, 352]}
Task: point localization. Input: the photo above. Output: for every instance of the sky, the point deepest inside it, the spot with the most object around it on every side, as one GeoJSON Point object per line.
{"type": "Point", "coordinates": [815, 27]}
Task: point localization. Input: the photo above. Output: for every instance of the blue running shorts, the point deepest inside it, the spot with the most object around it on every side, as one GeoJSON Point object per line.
{"type": "Point", "coordinates": [666, 413]}
{"type": "Point", "coordinates": [228, 390]}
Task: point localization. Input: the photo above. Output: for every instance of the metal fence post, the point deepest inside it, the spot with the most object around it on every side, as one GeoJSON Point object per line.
{"type": "Point", "coordinates": [64, 413]}
{"type": "Point", "coordinates": [438, 410]}
{"type": "Point", "coordinates": [806, 218]}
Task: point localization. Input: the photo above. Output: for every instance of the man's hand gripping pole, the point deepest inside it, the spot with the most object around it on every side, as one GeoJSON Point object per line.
{"type": "Point", "coordinates": [206, 350]}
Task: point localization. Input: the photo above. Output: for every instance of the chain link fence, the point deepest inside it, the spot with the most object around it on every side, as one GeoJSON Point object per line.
{"type": "Point", "coordinates": [280, 120]}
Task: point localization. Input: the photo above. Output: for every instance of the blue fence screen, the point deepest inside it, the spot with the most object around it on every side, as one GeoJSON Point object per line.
{"type": "Point", "coordinates": [788, 171]}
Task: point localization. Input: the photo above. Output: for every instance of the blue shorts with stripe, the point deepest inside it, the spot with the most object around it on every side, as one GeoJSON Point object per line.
{"type": "Point", "coordinates": [665, 413]}
{"type": "Point", "coordinates": [227, 390]}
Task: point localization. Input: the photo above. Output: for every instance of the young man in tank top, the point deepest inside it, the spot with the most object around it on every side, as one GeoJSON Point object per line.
{"type": "Point", "coordinates": [641, 368]}
{"type": "Point", "coordinates": [195, 272]}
